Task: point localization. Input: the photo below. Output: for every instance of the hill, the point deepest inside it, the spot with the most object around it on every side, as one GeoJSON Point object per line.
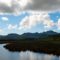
{"type": "Point", "coordinates": [43, 35]}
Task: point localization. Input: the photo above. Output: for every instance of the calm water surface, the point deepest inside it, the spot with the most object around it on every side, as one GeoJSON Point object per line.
{"type": "Point", "coordinates": [28, 55]}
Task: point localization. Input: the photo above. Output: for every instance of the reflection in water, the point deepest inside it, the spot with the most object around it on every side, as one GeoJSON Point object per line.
{"type": "Point", "coordinates": [28, 55]}
{"type": "Point", "coordinates": [3, 53]}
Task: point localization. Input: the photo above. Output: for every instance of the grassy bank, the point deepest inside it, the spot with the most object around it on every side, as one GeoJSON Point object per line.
{"type": "Point", "coordinates": [42, 46]}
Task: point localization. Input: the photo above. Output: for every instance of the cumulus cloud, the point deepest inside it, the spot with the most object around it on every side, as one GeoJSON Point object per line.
{"type": "Point", "coordinates": [5, 18]}
{"type": "Point", "coordinates": [36, 18]}
{"type": "Point", "coordinates": [12, 27]}
{"type": "Point", "coordinates": [45, 5]}
{"type": "Point", "coordinates": [48, 23]}
{"type": "Point", "coordinates": [58, 24]}
{"type": "Point", "coordinates": [17, 6]}
{"type": "Point", "coordinates": [12, 6]}
{"type": "Point", "coordinates": [1, 30]}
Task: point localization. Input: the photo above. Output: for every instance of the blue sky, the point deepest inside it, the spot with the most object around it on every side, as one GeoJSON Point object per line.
{"type": "Point", "coordinates": [26, 17]}
{"type": "Point", "coordinates": [15, 20]}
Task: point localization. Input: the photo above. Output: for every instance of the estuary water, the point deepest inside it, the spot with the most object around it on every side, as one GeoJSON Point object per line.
{"type": "Point", "coordinates": [5, 54]}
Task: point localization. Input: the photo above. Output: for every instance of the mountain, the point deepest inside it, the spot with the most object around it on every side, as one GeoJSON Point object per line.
{"type": "Point", "coordinates": [30, 35]}
{"type": "Point", "coordinates": [37, 35]}
{"type": "Point", "coordinates": [14, 36]}
{"type": "Point", "coordinates": [50, 33]}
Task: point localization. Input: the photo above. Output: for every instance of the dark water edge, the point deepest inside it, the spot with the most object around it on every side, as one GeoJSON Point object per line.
{"type": "Point", "coordinates": [35, 46]}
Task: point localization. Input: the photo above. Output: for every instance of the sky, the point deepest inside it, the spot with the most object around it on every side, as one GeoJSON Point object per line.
{"type": "Point", "coordinates": [21, 16]}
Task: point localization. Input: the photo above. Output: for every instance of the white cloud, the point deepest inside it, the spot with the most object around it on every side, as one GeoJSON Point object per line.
{"type": "Point", "coordinates": [35, 18]}
{"type": "Point", "coordinates": [58, 24]}
{"type": "Point", "coordinates": [13, 6]}
{"type": "Point", "coordinates": [5, 18]}
{"type": "Point", "coordinates": [12, 27]}
{"type": "Point", "coordinates": [1, 30]}
{"type": "Point", "coordinates": [17, 6]}
{"type": "Point", "coordinates": [6, 2]}
{"type": "Point", "coordinates": [48, 23]}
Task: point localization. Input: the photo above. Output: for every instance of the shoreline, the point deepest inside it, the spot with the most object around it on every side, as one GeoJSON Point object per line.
{"type": "Point", "coordinates": [40, 47]}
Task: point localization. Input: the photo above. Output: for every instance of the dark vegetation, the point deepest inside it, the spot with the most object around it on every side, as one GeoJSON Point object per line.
{"type": "Point", "coordinates": [47, 42]}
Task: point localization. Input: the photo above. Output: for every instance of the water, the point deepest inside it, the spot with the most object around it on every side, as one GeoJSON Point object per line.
{"type": "Point", "coordinates": [27, 55]}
